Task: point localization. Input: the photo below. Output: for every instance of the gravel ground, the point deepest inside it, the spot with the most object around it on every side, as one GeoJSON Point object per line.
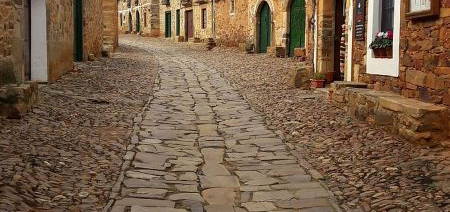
{"type": "Point", "coordinates": [66, 154]}
{"type": "Point", "coordinates": [366, 168]}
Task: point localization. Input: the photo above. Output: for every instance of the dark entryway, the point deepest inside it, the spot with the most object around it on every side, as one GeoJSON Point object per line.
{"type": "Point", "coordinates": [138, 22]}
{"type": "Point", "coordinates": [264, 21]}
{"type": "Point", "coordinates": [189, 25]}
{"type": "Point", "coordinates": [27, 37]}
{"type": "Point", "coordinates": [130, 22]}
{"type": "Point", "coordinates": [339, 19]}
{"type": "Point", "coordinates": [168, 26]}
{"type": "Point", "coordinates": [297, 24]}
{"type": "Point", "coordinates": [78, 30]}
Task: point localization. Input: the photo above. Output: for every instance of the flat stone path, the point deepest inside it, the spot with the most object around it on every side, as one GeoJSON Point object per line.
{"type": "Point", "coordinates": [200, 147]}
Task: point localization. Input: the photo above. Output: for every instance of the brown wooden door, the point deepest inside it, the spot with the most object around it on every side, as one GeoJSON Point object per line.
{"type": "Point", "coordinates": [27, 39]}
{"type": "Point", "coordinates": [338, 35]}
{"type": "Point", "coordinates": [189, 24]}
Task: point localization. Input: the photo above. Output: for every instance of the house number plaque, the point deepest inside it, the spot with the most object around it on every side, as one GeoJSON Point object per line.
{"type": "Point", "coordinates": [422, 8]}
{"type": "Point", "coordinates": [360, 20]}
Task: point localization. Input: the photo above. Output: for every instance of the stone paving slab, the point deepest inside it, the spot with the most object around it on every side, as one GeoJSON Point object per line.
{"type": "Point", "coordinates": [202, 148]}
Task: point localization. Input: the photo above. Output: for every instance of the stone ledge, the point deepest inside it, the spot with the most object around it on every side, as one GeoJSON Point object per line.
{"type": "Point", "coordinates": [417, 121]}
{"type": "Point", "coordinates": [17, 100]}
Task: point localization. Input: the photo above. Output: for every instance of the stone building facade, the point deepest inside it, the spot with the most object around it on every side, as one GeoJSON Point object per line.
{"type": "Point", "coordinates": [140, 17]}
{"type": "Point", "coordinates": [92, 28]}
{"type": "Point", "coordinates": [186, 20]}
{"type": "Point", "coordinates": [232, 22]}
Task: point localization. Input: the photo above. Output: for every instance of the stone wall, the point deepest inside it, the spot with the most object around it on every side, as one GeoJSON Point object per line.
{"type": "Point", "coordinates": [110, 28]}
{"type": "Point", "coordinates": [232, 29]}
{"type": "Point", "coordinates": [149, 11]}
{"type": "Point", "coordinates": [11, 42]}
{"type": "Point", "coordinates": [424, 59]}
{"type": "Point", "coordinates": [199, 33]}
{"type": "Point", "coordinates": [92, 28]}
{"type": "Point", "coordinates": [60, 38]}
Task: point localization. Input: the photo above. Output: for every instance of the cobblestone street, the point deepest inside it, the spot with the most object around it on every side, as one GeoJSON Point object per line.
{"type": "Point", "coordinates": [201, 146]}
{"type": "Point", "coordinates": [172, 127]}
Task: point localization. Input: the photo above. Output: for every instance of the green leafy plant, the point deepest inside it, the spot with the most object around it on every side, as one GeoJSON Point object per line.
{"type": "Point", "coordinates": [382, 40]}
{"type": "Point", "coordinates": [318, 76]}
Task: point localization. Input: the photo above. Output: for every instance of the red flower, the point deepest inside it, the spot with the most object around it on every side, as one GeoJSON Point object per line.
{"type": "Point", "coordinates": [390, 34]}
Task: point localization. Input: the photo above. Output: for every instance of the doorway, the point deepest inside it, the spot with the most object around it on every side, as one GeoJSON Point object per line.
{"type": "Point", "coordinates": [138, 22]}
{"type": "Point", "coordinates": [297, 22]}
{"type": "Point", "coordinates": [339, 43]}
{"type": "Point", "coordinates": [264, 21]}
{"type": "Point", "coordinates": [189, 25]}
{"type": "Point", "coordinates": [27, 39]}
{"type": "Point", "coordinates": [130, 22]}
{"type": "Point", "coordinates": [38, 46]}
{"type": "Point", "coordinates": [78, 30]}
{"type": "Point", "coordinates": [168, 26]}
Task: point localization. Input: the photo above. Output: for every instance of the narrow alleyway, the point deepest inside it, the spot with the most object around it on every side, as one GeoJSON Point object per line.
{"type": "Point", "coordinates": [201, 146]}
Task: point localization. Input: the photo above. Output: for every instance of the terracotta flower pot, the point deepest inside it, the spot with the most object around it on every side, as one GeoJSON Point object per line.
{"type": "Point", "coordinates": [383, 52]}
{"type": "Point", "coordinates": [317, 83]}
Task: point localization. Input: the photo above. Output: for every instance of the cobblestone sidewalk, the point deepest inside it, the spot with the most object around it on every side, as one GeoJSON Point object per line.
{"type": "Point", "coordinates": [200, 147]}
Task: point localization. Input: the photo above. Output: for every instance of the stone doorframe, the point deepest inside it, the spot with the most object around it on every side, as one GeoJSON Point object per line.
{"type": "Point", "coordinates": [255, 19]}
{"type": "Point", "coordinates": [325, 36]}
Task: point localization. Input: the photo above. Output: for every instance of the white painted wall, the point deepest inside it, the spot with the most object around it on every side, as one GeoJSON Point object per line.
{"type": "Point", "coordinates": [39, 67]}
{"type": "Point", "coordinates": [382, 66]}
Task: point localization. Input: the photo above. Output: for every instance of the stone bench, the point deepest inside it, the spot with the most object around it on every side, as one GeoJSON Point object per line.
{"type": "Point", "coordinates": [417, 121]}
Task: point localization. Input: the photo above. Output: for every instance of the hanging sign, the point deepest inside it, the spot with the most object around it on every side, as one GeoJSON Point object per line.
{"type": "Point", "coordinates": [360, 20]}
{"type": "Point", "coordinates": [422, 8]}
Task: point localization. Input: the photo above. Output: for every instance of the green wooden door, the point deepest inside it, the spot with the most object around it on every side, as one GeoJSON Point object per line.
{"type": "Point", "coordinates": [78, 30]}
{"type": "Point", "coordinates": [138, 22]}
{"type": "Point", "coordinates": [168, 26]}
{"type": "Point", "coordinates": [264, 28]}
{"type": "Point", "coordinates": [297, 26]}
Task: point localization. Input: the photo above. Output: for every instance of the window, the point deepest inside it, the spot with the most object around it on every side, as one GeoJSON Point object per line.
{"type": "Point", "coordinates": [204, 19]}
{"type": "Point", "coordinates": [178, 23]}
{"type": "Point", "coordinates": [232, 6]}
{"type": "Point", "coordinates": [387, 15]}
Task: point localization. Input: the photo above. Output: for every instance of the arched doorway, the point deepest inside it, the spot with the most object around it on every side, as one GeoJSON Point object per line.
{"type": "Point", "coordinates": [297, 22]}
{"type": "Point", "coordinates": [138, 22]}
{"type": "Point", "coordinates": [264, 27]}
{"type": "Point", "coordinates": [130, 22]}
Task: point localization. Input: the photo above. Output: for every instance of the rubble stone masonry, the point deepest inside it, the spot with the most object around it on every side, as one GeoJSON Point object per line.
{"type": "Point", "coordinates": [11, 42]}
{"type": "Point", "coordinates": [110, 30]}
{"type": "Point", "coordinates": [424, 59]}
{"type": "Point", "coordinates": [232, 28]}
{"type": "Point", "coordinates": [59, 38]}
{"type": "Point", "coordinates": [92, 28]}
{"type": "Point", "coordinates": [149, 21]}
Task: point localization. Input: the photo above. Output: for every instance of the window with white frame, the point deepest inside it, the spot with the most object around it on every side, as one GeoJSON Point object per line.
{"type": "Point", "coordinates": [383, 16]}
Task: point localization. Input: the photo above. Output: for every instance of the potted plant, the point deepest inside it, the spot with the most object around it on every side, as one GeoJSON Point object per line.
{"type": "Point", "coordinates": [382, 45]}
{"type": "Point", "coordinates": [318, 80]}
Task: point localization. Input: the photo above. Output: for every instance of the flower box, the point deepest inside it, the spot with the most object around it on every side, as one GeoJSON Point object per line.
{"type": "Point", "coordinates": [383, 52]}
{"type": "Point", "coordinates": [315, 83]}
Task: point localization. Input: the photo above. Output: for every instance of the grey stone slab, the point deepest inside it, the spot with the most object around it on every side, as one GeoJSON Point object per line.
{"type": "Point", "coordinates": [311, 193]}
{"type": "Point", "coordinates": [219, 208]}
{"type": "Point", "coordinates": [186, 188]}
{"type": "Point", "coordinates": [211, 169]}
{"type": "Point", "coordinates": [272, 196]}
{"type": "Point", "coordinates": [145, 202]}
{"type": "Point", "coordinates": [259, 206]}
{"type": "Point", "coordinates": [219, 196]}
{"type": "Point", "coordinates": [219, 182]}
{"type": "Point", "coordinates": [149, 193]}
{"type": "Point", "coordinates": [186, 196]}
{"type": "Point", "coordinates": [211, 155]}
{"type": "Point", "coordinates": [139, 183]}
